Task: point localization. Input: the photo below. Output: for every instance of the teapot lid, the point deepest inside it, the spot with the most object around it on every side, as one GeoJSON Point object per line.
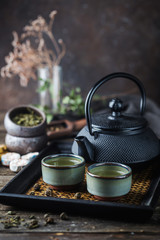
{"type": "Point", "coordinates": [116, 122]}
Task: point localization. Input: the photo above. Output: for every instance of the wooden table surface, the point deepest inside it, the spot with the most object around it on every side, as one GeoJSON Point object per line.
{"type": "Point", "coordinates": [76, 227]}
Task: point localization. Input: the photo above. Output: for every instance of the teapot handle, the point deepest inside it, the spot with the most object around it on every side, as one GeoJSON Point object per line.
{"type": "Point", "coordinates": [102, 81]}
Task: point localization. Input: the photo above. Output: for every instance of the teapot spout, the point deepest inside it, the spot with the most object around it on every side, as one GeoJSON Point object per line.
{"type": "Point", "coordinates": [85, 148]}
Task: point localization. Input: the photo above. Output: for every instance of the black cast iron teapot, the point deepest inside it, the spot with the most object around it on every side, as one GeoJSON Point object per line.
{"type": "Point", "coordinates": [116, 137]}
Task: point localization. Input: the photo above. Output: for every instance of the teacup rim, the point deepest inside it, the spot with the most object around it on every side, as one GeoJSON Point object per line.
{"type": "Point", "coordinates": [63, 155]}
{"type": "Point", "coordinates": [125, 175]}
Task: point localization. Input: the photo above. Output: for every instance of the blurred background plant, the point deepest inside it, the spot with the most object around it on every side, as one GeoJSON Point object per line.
{"type": "Point", "coordinates": [73, 103]}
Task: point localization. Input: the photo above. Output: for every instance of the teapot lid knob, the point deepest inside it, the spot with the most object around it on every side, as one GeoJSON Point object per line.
{"type": "Point", "coordinates": [116, 105]}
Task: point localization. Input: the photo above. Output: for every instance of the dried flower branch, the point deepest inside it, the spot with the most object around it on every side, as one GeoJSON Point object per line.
{"type": "Point", "coordinates": [25, 59]}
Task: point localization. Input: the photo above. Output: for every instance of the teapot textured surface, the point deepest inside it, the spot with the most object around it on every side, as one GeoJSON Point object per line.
{"type": "Point", "coordinates": [116, 137]}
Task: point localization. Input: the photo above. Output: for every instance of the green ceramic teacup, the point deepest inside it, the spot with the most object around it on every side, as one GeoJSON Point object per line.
{"type": "Point", "coordinates": [63, 171]}
{"type": "Point", "coordinates": [109, 180]}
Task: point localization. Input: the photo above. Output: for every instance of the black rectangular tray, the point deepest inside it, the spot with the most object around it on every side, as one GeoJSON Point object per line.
{"type": "Point", "coordinates": [13, 194]}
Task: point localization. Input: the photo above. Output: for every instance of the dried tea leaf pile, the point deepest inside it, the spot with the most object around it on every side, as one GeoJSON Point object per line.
{"type": "Point", "coordinates": [28, 119]}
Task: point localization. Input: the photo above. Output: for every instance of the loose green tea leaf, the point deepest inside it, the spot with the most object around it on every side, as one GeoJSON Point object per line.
{"type": "Point", "coordinates": [31, 224]}
{"type": "Point", "coordinates": [64, 216]}
{"type": "Point", "coordinates": [49, 220]}
{"type": "Point", "coordinates": [37, 187]}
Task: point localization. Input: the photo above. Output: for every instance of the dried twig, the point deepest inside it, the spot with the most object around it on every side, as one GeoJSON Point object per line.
{"type": "Point", "coordinates": [25, 59]}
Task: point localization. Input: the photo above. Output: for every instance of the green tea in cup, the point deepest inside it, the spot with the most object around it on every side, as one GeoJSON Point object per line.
{"type": "Point", "coordinates": [108, 171]}
{"type": "Point", "coordinates": [63, 161]}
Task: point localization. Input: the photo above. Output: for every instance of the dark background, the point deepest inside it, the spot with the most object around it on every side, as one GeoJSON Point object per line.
{"type": "Point", "coordinates": [101, 37]}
